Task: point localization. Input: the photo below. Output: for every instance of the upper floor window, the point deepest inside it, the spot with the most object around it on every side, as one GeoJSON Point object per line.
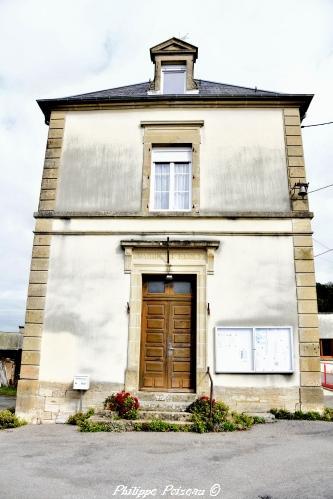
{"type": "Point", "coordinates": [171, 179]}
{"type": "Point", "coordinates": [174, 79]}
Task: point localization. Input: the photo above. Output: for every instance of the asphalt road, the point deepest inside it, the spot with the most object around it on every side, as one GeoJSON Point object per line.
{"type": "Point", "coordinates": [280, 460]}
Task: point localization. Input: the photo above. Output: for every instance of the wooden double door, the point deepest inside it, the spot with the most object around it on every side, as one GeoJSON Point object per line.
{"type": "Point", "coordinates": [168, 334]}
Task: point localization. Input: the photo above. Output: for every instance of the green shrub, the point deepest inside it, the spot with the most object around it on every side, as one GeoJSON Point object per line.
{"type": "Point", "coordinates": [327, 415]}
{"type": "Point", "coordinates": [310, 415]}
{"type": "Point", "coordinates": [199, 423]}
{"type": "Point", "coordinates": [215, 417]}
{"type": "Point", "coordinates": [79, 417]}
{"type": "Point", "coordinates": [9, 420]}
{"type": "Point", "coordinates": [259, 420]}
{"type": "Point", "coordinates": [159, 425]}
{"type": "Point", "coordinates": [119, 426]}
{"type": "Point", "coordinates": [91, 426]}
{"type": "Point", "coordinates": [242, 421]}
{"type": "Point", "coordinates": [228, 426]}
{"type": "Point", "coordinates": [8, 391]}
{"type": "Point", "coordinates": [282, 414]}
{"type": "Point", "coordinates": [125, 404]}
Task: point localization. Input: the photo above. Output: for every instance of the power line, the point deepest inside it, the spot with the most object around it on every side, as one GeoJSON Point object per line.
{"type": "Point", "coordinates": [320, 188]}
{"type": "Point", "coordinates": [321, 244]}
{"type": "Point", "coordinates": [318, 124]}
{"type": "Point", "coordinates": [324, 246]}
{"type": "Point", "coordinates": [323, 253]}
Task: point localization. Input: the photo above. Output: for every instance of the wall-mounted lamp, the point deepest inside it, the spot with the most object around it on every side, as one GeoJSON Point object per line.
{"type": "Point", "coordinates": [301, 188]}
{"type": "Point", "coordinates": [169, 276]}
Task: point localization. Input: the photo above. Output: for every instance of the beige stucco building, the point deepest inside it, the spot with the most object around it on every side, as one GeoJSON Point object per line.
{"type": "Point", "coordinates": [172, 235]}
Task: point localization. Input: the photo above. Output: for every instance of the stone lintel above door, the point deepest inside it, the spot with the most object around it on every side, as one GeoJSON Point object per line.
{"type": "Point", "coordinates": [156, 250]}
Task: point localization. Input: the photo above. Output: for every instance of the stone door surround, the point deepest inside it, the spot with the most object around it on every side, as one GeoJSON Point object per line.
{"type": "Point", "coordinates": [150, 257]}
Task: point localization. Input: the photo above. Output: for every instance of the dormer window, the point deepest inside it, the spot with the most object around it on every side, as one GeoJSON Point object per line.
{"type": "Point", "coordinates": [173, 79]}
{"type": "Point", "coordinates": [173, 68]}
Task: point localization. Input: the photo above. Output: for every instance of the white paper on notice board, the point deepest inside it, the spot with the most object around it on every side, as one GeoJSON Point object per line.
{"type": "Point", "coordinates": [233, 349]}
{"type": "Point", "coordinates": [253, 349]}
{"type": "Point", "coordinates": [273, 349]}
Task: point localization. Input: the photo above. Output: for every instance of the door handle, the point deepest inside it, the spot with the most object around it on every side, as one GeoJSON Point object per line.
{"type": "Point", "coordinates": [170, 349]}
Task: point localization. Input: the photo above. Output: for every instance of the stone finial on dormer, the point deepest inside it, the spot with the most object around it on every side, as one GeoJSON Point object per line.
{"type": "Point", "coordinates": [174, 62]}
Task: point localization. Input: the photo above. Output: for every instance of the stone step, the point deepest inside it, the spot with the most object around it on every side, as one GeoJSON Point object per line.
{"type": "Point", "coordinates": [104, 415]}
{"type": "Point", "coordinates": [165, 415]}
{"type": "Point", "coordinates": [165, 406]}
{"type": "Point", "coordinates": [129, 425]}
{"type": "Point", "coordinates": [165, 396]}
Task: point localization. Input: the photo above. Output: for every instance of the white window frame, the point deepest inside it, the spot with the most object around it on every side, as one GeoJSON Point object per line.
{"type": "Point", "coordinates": [254, 370]}
{"type": "Point", "coordinates": [173, 68]}
{"type": "Point", "coordinates": [170, 155]}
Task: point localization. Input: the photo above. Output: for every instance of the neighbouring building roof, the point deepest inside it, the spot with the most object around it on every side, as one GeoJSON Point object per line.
{"type": "Point", "coordinates": [10, 341]}
{"type": "Point", "coordinates": [207, 90]}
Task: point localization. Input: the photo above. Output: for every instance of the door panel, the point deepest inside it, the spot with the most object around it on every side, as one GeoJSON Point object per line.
{"type": "Point", "coordinates": [153, 345]}
{"type": "Point", "coordinates": [156, 309]}
{"type": "Point", "coordinates": [180, 332]}
{"type": "Point", "coordinates": [182, 310]}
{"type": "Point", "coordinates": [167, 341]}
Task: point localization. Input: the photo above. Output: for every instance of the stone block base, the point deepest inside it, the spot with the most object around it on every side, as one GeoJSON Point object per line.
{"type": "Point", "coordinates": [312, 398]}
{"type": "Point", "coordinates": [258, 399]}
{"type": "Point", "coordinates": [43, 402]}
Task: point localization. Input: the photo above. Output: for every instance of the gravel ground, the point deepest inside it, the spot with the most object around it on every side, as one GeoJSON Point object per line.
{"type": "Point", "coordinates": [282, 460]}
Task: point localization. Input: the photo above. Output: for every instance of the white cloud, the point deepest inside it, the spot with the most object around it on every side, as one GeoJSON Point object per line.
{"type": "Point", "coordinates": [52, 49]}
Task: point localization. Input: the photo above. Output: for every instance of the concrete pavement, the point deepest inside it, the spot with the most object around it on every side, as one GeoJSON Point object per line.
{"type": "Point", "coordinates": [284, 460]}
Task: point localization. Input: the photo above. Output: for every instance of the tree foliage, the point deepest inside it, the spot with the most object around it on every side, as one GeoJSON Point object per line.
{"type": "Point", "coordinates": [325, 297]}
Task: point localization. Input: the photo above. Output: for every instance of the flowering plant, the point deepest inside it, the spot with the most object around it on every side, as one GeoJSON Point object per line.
{"type": "Point", "coordinates": [202, 405]}
{"type": "Point", "coordinates": [125, 404]}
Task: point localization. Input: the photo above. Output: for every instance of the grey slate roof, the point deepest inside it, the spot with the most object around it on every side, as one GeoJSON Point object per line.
{"type": "Point", "coordinates": [138, 92]}
{"type": "Point", "coordinates": [206, 88]}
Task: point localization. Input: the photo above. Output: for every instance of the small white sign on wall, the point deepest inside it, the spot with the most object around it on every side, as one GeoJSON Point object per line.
{"type": "Point", "coordinates": [253, 349]}
{"type": "Point", "coordinates": [81, 382]}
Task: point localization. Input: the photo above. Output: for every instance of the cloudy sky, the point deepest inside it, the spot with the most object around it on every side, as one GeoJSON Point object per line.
{"type": "Point", "coordinates": [64, 47]}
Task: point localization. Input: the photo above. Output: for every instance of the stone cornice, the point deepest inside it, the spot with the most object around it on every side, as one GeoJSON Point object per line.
{"type": "Point", "coordinates": [229, 215]}
{"type": "Point", "coordinates": [300, 101]}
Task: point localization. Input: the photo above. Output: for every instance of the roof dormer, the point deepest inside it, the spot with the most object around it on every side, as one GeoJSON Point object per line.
{"type": "Point", "coordinates": [174, 61]}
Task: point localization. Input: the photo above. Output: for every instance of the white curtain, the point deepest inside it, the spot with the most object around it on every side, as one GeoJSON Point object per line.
{"type": "Point", "coordinates": [181, 186]}
{"type": "Point", "coordinates": [162, 186]}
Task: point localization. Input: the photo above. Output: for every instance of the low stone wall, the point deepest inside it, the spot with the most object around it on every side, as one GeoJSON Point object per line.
{"type": "Point", "coordinates": [44, 402]}
{"type": "Point", "coordinates": [264, 399]}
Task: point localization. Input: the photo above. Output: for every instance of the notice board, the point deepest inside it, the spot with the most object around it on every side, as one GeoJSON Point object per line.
{"type": "Point", "coordinates": [253, 349]}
